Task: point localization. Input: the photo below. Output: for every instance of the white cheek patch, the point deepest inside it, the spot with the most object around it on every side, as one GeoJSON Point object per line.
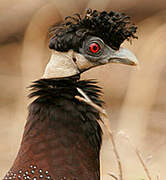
{"type": "Point", "coordinates": [61, 64]}
{"type": "Point", "coordinates": [82, 62]}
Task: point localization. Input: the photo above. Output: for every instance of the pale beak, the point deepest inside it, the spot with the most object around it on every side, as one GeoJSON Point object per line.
{"type": "Point", "coordinates": [123, 56]}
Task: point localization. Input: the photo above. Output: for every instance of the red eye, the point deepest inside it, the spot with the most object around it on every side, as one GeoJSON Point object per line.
{"type": "Point", "coordinates": [94, 47]}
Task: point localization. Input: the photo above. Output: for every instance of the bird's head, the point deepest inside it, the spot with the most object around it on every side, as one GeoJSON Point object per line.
{"type": "Point", "coordinates": [80, 43]}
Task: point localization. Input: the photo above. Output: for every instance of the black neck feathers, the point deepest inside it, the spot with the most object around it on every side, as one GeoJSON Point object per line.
{"type": "Point", "coordinates": [62, 134]}
{"type": "Point", "coordinates": [60, 93]}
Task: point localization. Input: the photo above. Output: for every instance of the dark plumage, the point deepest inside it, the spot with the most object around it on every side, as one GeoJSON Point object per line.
{"type": "Point", "coordinates": [62, 136]}
{"type": "Point", "coordinates": [58, 128]}
{"type": "Point", "coordinates": [60, 93]}
{"type": "Point", "coordinates": [113, 28]}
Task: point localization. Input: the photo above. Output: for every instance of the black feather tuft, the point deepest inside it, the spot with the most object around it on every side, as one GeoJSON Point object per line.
{"type": "Point", "coordinates": [57, 95]}
{"type": "Point", "coordinates": [113, 28]}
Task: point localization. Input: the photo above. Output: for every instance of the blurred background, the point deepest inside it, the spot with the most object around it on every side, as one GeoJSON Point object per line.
{"type": "Point", "coordinates": [135, 98]}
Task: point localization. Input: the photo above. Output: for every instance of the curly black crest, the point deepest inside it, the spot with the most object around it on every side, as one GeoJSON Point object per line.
{"type": "Point", "coordinates": [113, 28]}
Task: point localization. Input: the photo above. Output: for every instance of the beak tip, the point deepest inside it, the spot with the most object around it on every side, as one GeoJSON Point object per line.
{"type": "Point", "coordinates": [125, 56]}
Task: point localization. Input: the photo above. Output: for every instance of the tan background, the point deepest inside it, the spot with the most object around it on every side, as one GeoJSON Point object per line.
{"type": "Point", "coordinates": [135, 99]}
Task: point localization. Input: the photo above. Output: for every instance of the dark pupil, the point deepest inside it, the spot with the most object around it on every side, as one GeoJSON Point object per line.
{"type": "Point", "coordinates": [94, 48]}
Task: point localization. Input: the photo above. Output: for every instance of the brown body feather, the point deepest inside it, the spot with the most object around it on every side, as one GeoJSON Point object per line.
{"type": "Point", "coordinates": [62, 135]}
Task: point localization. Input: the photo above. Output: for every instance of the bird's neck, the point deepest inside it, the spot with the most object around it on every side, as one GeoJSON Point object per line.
{"type": "Point", "coordinates": [61, 64]}
{"type": "Point", "coordinates": [62, 135]}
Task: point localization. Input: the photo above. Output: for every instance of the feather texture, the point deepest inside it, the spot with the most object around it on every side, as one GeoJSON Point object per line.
{"type": "Point", "coordinates": [62, 134]}
{"type": "Point", "coordinates": [112, 27]}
